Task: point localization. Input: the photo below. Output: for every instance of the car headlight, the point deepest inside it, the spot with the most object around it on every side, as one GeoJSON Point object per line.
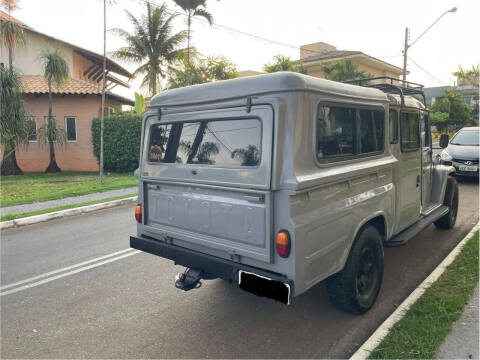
{"type": "Point", "coordinates": [445, 156]}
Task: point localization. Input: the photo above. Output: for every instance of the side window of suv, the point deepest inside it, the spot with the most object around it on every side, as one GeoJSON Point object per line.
{"type": "Point", "coordinates": [409, 131]}
{"type": "Point", "coordinates": [393, 118]}
{"type": "Point", "coordinates": [425, 131]}
{"type": "Point", "coordinates": [345, 131]}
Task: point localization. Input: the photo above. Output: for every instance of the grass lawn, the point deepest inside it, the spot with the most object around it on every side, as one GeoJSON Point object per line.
{"type": "Point", "coordinates": [420, 333]}
{"type": "Point", "coordinates": [30, 188]}
{"type": "Point", "coordinates": [64, 207]}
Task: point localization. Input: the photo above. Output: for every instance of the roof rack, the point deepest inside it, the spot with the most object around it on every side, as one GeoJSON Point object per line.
{"type": "Point", "coordinates": [392, 86]}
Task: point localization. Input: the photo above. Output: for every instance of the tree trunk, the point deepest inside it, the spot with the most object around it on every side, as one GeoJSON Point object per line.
{"type": "Point", "coordinates": [189, 22]}
{"type": "Point", "coordinates": [52, 167]}
{"type": "Point", "coordinates": [9, 165]}
{"type": "Point", "coordinates": [10, 56]}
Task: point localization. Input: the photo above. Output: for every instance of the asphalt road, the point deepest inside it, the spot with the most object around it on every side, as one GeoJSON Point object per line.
{"type": "Point", "coordinates": [122, 304]}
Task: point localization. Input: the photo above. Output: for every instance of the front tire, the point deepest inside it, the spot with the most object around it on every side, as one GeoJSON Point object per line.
{"type": "Point", "coordinates": [448, 220]}
{"type": "Point", "coordinates": [356, 287]}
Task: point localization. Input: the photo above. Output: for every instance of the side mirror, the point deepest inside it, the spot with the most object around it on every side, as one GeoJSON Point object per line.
{"type": "Point", "coordinates": [443, 141]}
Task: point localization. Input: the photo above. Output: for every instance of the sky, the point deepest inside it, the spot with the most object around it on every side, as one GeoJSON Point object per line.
{"type": "Point", "coordinates": [375, 27]}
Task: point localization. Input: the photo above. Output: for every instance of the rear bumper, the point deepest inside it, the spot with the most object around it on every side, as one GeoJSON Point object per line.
{"type": "Point", "coordinates": [211, 265]}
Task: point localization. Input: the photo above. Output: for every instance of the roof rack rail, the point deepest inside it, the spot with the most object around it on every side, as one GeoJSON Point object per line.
{"type": "Point", "coordinates": [392, 86]}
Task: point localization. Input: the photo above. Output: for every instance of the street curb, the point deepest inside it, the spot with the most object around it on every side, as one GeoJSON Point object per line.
{"type": "Point", "coordinates": [383, 330]}
{"type": "Point", "coordinates": [65, 213]}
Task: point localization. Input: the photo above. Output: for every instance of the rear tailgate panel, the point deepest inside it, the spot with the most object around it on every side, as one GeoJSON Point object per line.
{"type": "Point", "coordinates": [235, 222]}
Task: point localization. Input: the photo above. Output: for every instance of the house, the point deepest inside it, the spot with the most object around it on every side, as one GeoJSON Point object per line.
{"type": "Point", "coordinates": [312, 56]}
{"type": "Point", "coordinates": [75, 103]}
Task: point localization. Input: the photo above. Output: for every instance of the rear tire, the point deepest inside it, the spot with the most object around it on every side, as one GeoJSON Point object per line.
{"type": "Point", "coordinates": [448, 220]}
{"type": "Point", "coordinates": [356, 287]}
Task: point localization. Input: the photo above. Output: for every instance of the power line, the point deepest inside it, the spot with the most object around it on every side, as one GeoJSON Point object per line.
{"type": "Point", "coordinates": [227, 28]}
{"type": "Point", "coordinates": [426, 72]}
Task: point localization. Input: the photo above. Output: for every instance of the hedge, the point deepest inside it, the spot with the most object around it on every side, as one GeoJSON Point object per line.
{"type": "Point", "coordinates": [121, 135]}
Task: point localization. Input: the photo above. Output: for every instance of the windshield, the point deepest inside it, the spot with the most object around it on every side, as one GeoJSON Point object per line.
{"type": "Point", "coordinates": [466, 137]}
{"type": "Point", "coordinates": [216, 142]}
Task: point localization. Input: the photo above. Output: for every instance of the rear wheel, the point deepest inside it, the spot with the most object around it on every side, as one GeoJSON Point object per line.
{"type": "Point", "coordinates": [448, 220]}
{"type": "Point", "coordinates": [355, 288]}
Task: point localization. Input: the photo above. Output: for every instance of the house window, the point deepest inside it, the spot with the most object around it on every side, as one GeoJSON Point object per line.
{"type": "Point", "coordinates": [32, 129]}
{"type": "Point", "coordinates": [71, 128]}
{"type": "Point", "coordinates": [51, 125]}
{"type": "Point", "coordinates": [347, 131]}
{"type": "Point", "coordinates": [409, 131]}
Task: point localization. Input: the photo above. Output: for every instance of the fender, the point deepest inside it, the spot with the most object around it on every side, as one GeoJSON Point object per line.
{"type": "Point", "coordinates": [440, 175]}
{"type": "Point", "coordinates": [380, 214]}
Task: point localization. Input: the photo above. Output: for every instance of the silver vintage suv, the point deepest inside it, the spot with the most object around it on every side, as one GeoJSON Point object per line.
{"type": "Point", "coordinates": [277, 182]}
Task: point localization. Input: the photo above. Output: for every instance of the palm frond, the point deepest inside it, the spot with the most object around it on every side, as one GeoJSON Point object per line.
{"type": "Point", "coordinates": [205, 14]}
{"type": "Point", "coordinates": [12, 34]}
{"type": "Point", "coordinates": [55, 66]}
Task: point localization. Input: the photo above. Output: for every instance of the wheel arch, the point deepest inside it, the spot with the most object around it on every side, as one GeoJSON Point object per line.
{"type": "Point", "coordinates": [377, 219]}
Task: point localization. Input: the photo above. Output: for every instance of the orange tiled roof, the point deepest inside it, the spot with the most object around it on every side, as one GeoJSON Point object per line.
{"type": "Point", "coordinates": [36, 84]}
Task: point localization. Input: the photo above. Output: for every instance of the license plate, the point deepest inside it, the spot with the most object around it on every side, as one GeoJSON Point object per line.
{"type": "Point", "coordinates": [264, 286]}
{"type": "Point", "coordinates": [468, 168]}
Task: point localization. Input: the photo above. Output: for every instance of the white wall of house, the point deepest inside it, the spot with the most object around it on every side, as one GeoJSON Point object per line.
{"type": "Point", "coordinates": [26, 58]}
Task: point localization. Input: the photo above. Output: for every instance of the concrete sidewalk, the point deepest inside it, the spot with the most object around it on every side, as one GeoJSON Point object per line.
{"type": "Point", "coordinates": [463, 340]}
{"type": "Point", "coordinates": [19, 209]}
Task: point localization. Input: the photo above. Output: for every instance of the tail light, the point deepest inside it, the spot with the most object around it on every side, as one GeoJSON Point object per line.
{"type": "Point", "coordinates": [283, 243]}
{"type": "Point", "coordinates": [138, 213]}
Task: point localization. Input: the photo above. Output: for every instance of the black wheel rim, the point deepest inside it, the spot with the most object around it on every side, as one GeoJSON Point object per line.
{"type": "Point", "coordinates": [367, 272]}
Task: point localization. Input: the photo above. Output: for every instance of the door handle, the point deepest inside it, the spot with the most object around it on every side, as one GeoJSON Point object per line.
{"type": "Point", "coordinates": [418, 180]}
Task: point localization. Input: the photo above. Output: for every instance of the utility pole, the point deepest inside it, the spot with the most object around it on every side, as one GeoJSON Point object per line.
{"type": "Point", "coordinates": [405, 49]}
{"type": "Point", "coordinates": [102, 115]}
{"type": "Point", "coordinates": [407, 46]}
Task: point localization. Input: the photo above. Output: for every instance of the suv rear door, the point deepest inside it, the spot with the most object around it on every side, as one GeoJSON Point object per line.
{"type": "Point", "coordinates": [206, 180]}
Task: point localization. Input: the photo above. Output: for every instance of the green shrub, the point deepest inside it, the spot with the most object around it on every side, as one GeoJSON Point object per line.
{"type": "Point", "coordinates": [121, 137]}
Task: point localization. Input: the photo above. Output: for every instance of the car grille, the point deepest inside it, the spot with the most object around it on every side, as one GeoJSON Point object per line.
{"type": "Point", "coordinates": [470, 162]}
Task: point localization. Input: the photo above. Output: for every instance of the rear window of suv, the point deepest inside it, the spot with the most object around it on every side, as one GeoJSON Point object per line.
{"type": "Point", "coordinates": [210, 142]}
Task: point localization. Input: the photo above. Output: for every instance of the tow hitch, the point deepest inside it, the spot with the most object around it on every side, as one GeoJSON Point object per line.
{"type": "Point", "coordinates": [188, 280]}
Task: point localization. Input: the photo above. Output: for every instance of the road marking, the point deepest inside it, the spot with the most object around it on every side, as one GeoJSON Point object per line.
{"type": "Point", "coordinates": [61, 272]}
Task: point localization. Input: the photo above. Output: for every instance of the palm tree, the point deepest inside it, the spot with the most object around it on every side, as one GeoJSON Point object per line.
{"type": "Point", "coordinates": [12, 34]}
{"type": "Point", "coordinates": [343, 70]}
{"type": "Point", "coordinates": [284, 63]}
{"type": "Point", "coordinates": [468, 77]}
{"type": "Point", "coordinates": [193, 8]}
{"type": "Point", "coordinates": [55, 70]}
{"type": "Point", "coordinates": [13, 125]}
{"type": "Point", "coordinates": [249, 156]}
{"type": "Point", "coordinates": [152, 45]}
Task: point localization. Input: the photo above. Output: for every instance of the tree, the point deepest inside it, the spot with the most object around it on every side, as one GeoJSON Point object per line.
{"type": "Point", "coordinates": [200, 71]}
{"type": "Point", "coordinates": [193, 8]}
{"type": "Point", "coordinates": [13, 125]}
{"type": "Point", "coordinates": [468, 77]}
{"type": "Point", "coordinates": [152, 45]}
{"type": "Point", "coordinates": [55, 71]}
{"type": "Point", "coordinates": [459, 113]}
{"type": "Point", "coordinates": [249, 156]}
{"type": "Point", "coordinates": [139, 104]}
{"type": "Point", "coordinates": [284, 63]}
{"type": "Point", "coordinates": [439, 119]}
{"type": "Point", "coordinates": [12, 34]}
{"type": "Point", "coordinates": [343, 70]}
